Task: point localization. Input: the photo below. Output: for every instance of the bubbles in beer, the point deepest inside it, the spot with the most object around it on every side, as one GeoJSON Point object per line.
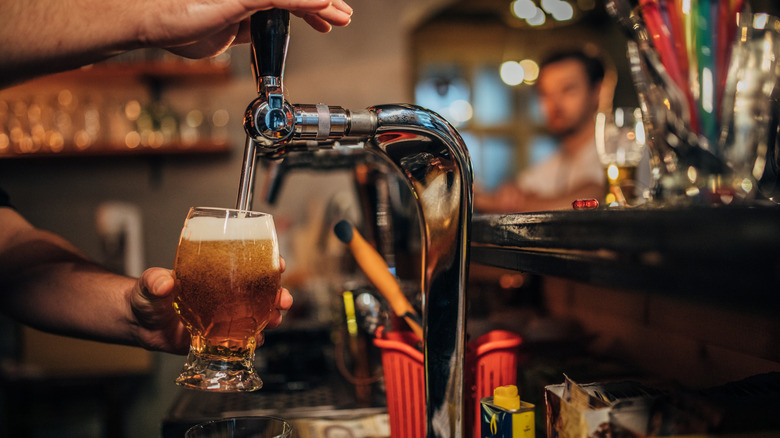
{"type": "Point", "coordinates": [226, 284]}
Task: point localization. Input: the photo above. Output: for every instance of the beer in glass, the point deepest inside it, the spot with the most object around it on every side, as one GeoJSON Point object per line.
{"type": "Point", "coordinates": [621, 144]}
{"type": "Point", "coordinates": [227, 275]}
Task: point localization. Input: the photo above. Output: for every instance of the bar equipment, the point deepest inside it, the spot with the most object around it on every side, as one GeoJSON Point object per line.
{"type": "Point", "coordinates": [425, 152]}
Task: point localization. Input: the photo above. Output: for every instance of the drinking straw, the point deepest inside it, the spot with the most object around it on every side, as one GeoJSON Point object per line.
{"type": "Point", "coordinates": [674, 10]}
{"type": "Point", "coordinates": [705, 51]}
{"type": "Point", "coordinates": [662, 39]}
{"type": "Point", "coordinates": [722, 51]}
{"type": "Point", "coordinates": [664, 43]}
{"type": "Point", "coordinates": [689, 30]}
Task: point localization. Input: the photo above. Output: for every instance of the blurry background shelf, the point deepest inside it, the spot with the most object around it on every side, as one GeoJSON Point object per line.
{"type": "Point", "coordinates": [110, 150]}
{"type": "Point", "coordinates": [115, 108]}
{"type": "Point", "coordinates": [113, 71]}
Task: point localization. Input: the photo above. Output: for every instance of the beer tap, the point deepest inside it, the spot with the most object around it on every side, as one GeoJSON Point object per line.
{"type": "Point", "coordinates": [272, 124]}
{"type": "Point", "coordinates": [431, 159]}
{"type": "Point", "coordinates": [269, 118]}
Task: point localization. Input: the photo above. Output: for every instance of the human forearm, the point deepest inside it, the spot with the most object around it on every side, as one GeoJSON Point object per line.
{"type": "Point", "coordinates": [47, 284]}
{"type": "Point", "coordinates": [39, 37]}
{"type": "Point", "coordinates": [81, 301]}
{"type": "Point", "coordinates": [46, 36]}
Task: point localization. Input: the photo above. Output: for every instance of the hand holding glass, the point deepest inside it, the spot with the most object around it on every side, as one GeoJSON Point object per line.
{"type": "Point", "coordinates": [227, 275]}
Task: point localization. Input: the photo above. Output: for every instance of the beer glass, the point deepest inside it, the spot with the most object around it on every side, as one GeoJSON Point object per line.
{"type": "Point", "coordinates": [620, 141]}
{"type": "Point", "coordinates": [227, 275]}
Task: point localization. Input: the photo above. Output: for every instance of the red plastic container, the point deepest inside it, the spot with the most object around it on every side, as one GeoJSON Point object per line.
{"type": "Point", "coordinates": [491, 361]}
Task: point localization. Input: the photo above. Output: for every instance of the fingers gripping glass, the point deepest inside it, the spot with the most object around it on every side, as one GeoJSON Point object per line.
{"type": "Point", "coordinates": [227, 275]}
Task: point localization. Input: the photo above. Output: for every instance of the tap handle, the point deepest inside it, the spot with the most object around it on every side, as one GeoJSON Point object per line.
{"type": "Point", "coordinates": [270, 32]}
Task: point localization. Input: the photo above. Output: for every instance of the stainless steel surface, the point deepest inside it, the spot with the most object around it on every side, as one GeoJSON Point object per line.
{"type": "Point", "coordinates": [430, 157]}
{"type": "Point", "coordinates": [248, 169]}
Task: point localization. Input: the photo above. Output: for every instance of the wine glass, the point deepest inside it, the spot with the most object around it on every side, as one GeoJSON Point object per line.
{"type": "Point", "coordinates": [227, 276]}
{"type": "Point", "coordinates": [620, 141]}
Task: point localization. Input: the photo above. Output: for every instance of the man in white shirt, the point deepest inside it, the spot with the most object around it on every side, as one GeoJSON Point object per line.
{"type": "Point", "coordinates": [569, 86]}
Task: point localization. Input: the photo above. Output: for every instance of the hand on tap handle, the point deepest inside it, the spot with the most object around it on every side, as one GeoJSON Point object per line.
{"type": "Point", "coordinates": [323, 20]}
{"type": "Point", "coordinates": [198, 29]}
{"type": "Point", "coordinates": [40, 38]}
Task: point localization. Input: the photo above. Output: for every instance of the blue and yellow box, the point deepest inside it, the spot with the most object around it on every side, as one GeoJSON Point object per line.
{"type": "Point", "coordinates": [505, 416]}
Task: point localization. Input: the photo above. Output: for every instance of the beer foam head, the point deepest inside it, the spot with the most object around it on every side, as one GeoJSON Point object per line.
{"type": "Point", "coordinates": [213, 228]}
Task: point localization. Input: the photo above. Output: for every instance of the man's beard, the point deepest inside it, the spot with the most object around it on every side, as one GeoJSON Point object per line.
{"type": "Point", "coordinates": [568, 127]}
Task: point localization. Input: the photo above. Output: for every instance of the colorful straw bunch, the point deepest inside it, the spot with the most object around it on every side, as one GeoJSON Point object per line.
{"type": "Point", "coordinates": [693, 39]}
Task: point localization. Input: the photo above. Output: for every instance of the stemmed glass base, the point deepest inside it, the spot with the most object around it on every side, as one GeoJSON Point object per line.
{"type": "Point", "coordinates": [215, 373]}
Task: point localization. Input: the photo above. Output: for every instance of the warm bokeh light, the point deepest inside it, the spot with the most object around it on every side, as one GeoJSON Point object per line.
{"type": "Point", "coordinates": [530, 69]}
{"type": "Point", "coordinates": [613, 172]}
{"type": "Point", "coordinates": [194, 118]}
{"type": "Point", "coordinates": [536, 15]}
{"type": "Point", "coordinates": [56, 142]}
{"type": "Point", "coordinates": [559, 9]}
{"type": "Point", "coordinates": [81, 139]}
{"type": "Point", "coordinates": [132, 110]}
{"type": "Point", "coordinates": [132, 139]}
{"type": "Point", "coordinates": [512, 73]}
{"type": "Point", "coordinates": [220, 118]}
{"type": "Point", "coordinates": [693, 175]}
{"type": "Point", "coordinates": [538, 19]}
{"type": "Point", "coordinates": [461, 110]}
{"type": "Point", "coordinates": [524, 9]}
{"type": "Point", "coordinates": [65, 98]}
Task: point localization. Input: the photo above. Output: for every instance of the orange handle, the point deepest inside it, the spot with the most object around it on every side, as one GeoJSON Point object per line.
{"type": "Point", "coordinates": [377, 271]}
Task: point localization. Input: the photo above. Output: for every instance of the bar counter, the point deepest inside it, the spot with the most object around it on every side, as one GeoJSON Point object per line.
{"type": "Point", "coordinates": [724, 255]}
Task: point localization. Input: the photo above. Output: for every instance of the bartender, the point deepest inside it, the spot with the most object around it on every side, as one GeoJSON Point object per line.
{"type": "Point", "coordinates": [45, 281]}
